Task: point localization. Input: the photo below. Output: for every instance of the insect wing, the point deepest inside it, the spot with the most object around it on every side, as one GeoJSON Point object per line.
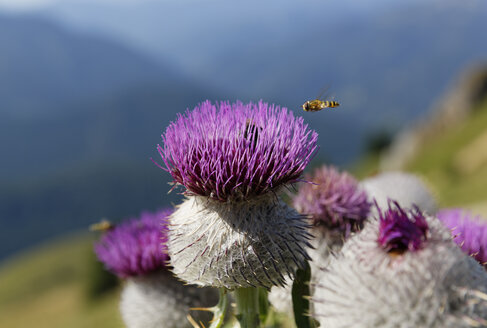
{"type": "Point", "coordinates": [323, 92]}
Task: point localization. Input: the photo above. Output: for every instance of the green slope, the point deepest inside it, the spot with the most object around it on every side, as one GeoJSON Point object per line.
{"type": "Point", "coordinates": [455, 163]}
{"type": "Point", "coordinates": [47, 287]}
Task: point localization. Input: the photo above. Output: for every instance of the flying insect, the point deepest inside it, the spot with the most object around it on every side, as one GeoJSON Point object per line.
{"type": "Point", "coordinates": [317, 105]}
{"type": "Point", "coordinates": [103, 226]}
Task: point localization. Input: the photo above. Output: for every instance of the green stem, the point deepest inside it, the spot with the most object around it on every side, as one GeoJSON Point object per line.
{"type": "Point", "coordinates": [219, 310]}
{"type": "Point", "coordinates": [263, 305]}
{"type": "Point", "coordinates": [247, 300]}
{"type": "Point", "coordinates": [300, 295]}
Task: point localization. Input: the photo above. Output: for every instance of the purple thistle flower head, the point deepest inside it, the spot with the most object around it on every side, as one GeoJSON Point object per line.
{"type": "Point", "coordinates": [401, 230]}
{"type": "Point", "coordinates": [469, 232]}
{"type": "Point", "coordinates": [334, 200]}
{"type": "Point", "coordinates": [236, 151]}
{"type": "Point", "coordinates": [135, 247]}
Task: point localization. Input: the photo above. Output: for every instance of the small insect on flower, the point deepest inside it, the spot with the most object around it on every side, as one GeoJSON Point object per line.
{"type": "Point", "coordinates": [252, 131]}
{"type": "Point", "coordinates": [103, 226]}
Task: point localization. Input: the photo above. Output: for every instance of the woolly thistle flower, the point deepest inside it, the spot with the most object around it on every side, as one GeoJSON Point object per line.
{"type": "Point", "coordinates": [398, 274]}
{"type": "Point", "coordinates": [134, 248]}
{"type": "Point", "coordinates": [236, 151]}
{"type": "Point", "coordinates": [405, 188]}
{"type": "Point", "coordinates": [152, 297]}
{"type": "Point", "coordinates": [337, 206]}
{"type": "Point", "coordinates": [469, 232]}
{"type": "Point", "coordinates": [333, 200]}
{"type": "Point", "coordinates": [233, 231]}
{"type": "Point", "coordinates": [400, 230]}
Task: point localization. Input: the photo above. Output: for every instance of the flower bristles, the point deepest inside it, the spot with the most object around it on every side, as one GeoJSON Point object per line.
{"type": "Point", "coordinates": [469, 232]}
{"type": "Point", "coordinates": [135, 247]}
{"type": "Point", "coordinates": [236, 151]}
{"type": "Point", "coordinates": [333, 199]}
{"type": "Point", "coordinates": [401, 230]}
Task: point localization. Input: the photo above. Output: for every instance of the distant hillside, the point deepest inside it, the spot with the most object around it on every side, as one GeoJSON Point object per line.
{"type": "Point", "coordinates": [455, 107]}
{"type": "Point", "coordinates": [124, 125]}
{"type": "Point", "coordinates": [449, 146]}
{"type": "Point", "coordinates": [68, 98]}
{"type": "Point", "coordinates": [67, 172]}
{"type": "Point", "coordinates": [43, 66]}
{"type": "Point", "coordinates": [455, 162]}
{"type": "Point", "coordinates": [80, 118]}
{"type": "Point", "coordinates": [34, 211]}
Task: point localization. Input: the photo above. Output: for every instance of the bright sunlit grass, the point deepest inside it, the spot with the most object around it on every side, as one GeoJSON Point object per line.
{"type": "Point", "coordinates": [443, 162]}
{"type": "Point", "coordinates": [47, 288]}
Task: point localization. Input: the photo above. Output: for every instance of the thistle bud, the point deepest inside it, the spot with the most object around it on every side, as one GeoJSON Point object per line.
{"type": "Point", "coordinates": [405, 188]}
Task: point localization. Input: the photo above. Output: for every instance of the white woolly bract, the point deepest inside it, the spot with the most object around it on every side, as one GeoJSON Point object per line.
{"type": "Point", "coordinates": [252, 243]}
{"type": "Point", "coordinates": [437, 286]}
{"type": "Point", "coordinates": [407, 189]}
{"type": "Point", "coordinates": [325, 243]}
{"type": "Point", "coordinates": [281, 298]}
{"type": "Point", "coordinates": [161, 301]}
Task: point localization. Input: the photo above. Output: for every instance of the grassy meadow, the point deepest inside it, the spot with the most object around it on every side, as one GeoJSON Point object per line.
{"type": "Point", "coordinates": [453, 164]}
{"type": "Point", "coordinates": [48, 287]}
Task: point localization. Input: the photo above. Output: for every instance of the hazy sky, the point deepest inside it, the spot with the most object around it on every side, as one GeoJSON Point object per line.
{"type": "Point", "coordinates": [34, 4]}
{"type": "Point", "coordinates": [17, 5]}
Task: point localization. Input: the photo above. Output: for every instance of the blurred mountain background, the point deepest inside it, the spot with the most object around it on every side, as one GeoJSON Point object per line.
{"type": "Point", "coordinates": [87, 88]}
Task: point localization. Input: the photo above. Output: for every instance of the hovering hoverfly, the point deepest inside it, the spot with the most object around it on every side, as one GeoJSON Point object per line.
{"type": "Point", "coordinates": [103, 226]}
{"type": "Point", "coordinates": [318, 104]}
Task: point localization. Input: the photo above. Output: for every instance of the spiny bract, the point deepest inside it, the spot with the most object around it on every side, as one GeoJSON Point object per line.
{"type": "Point", "coordinates": [433, 285]}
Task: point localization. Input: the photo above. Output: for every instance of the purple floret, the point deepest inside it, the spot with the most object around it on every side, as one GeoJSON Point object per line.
{"type": "Point", "coordinates": [334, 200]}
{"type": "Point", "coordinates": [135, 247]}
{"type": "Point", "coordinates": [470, 232]}
{"type": "Point", "coordinates": [401, 230]}
{"type": "Point", "coordinates": [236, 151]}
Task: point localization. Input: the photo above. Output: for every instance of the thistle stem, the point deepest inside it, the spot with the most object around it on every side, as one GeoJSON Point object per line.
{"type": "Point", "coordinates": [247, 300]}
{"type": "Point", "coordinates": [219, 310]}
